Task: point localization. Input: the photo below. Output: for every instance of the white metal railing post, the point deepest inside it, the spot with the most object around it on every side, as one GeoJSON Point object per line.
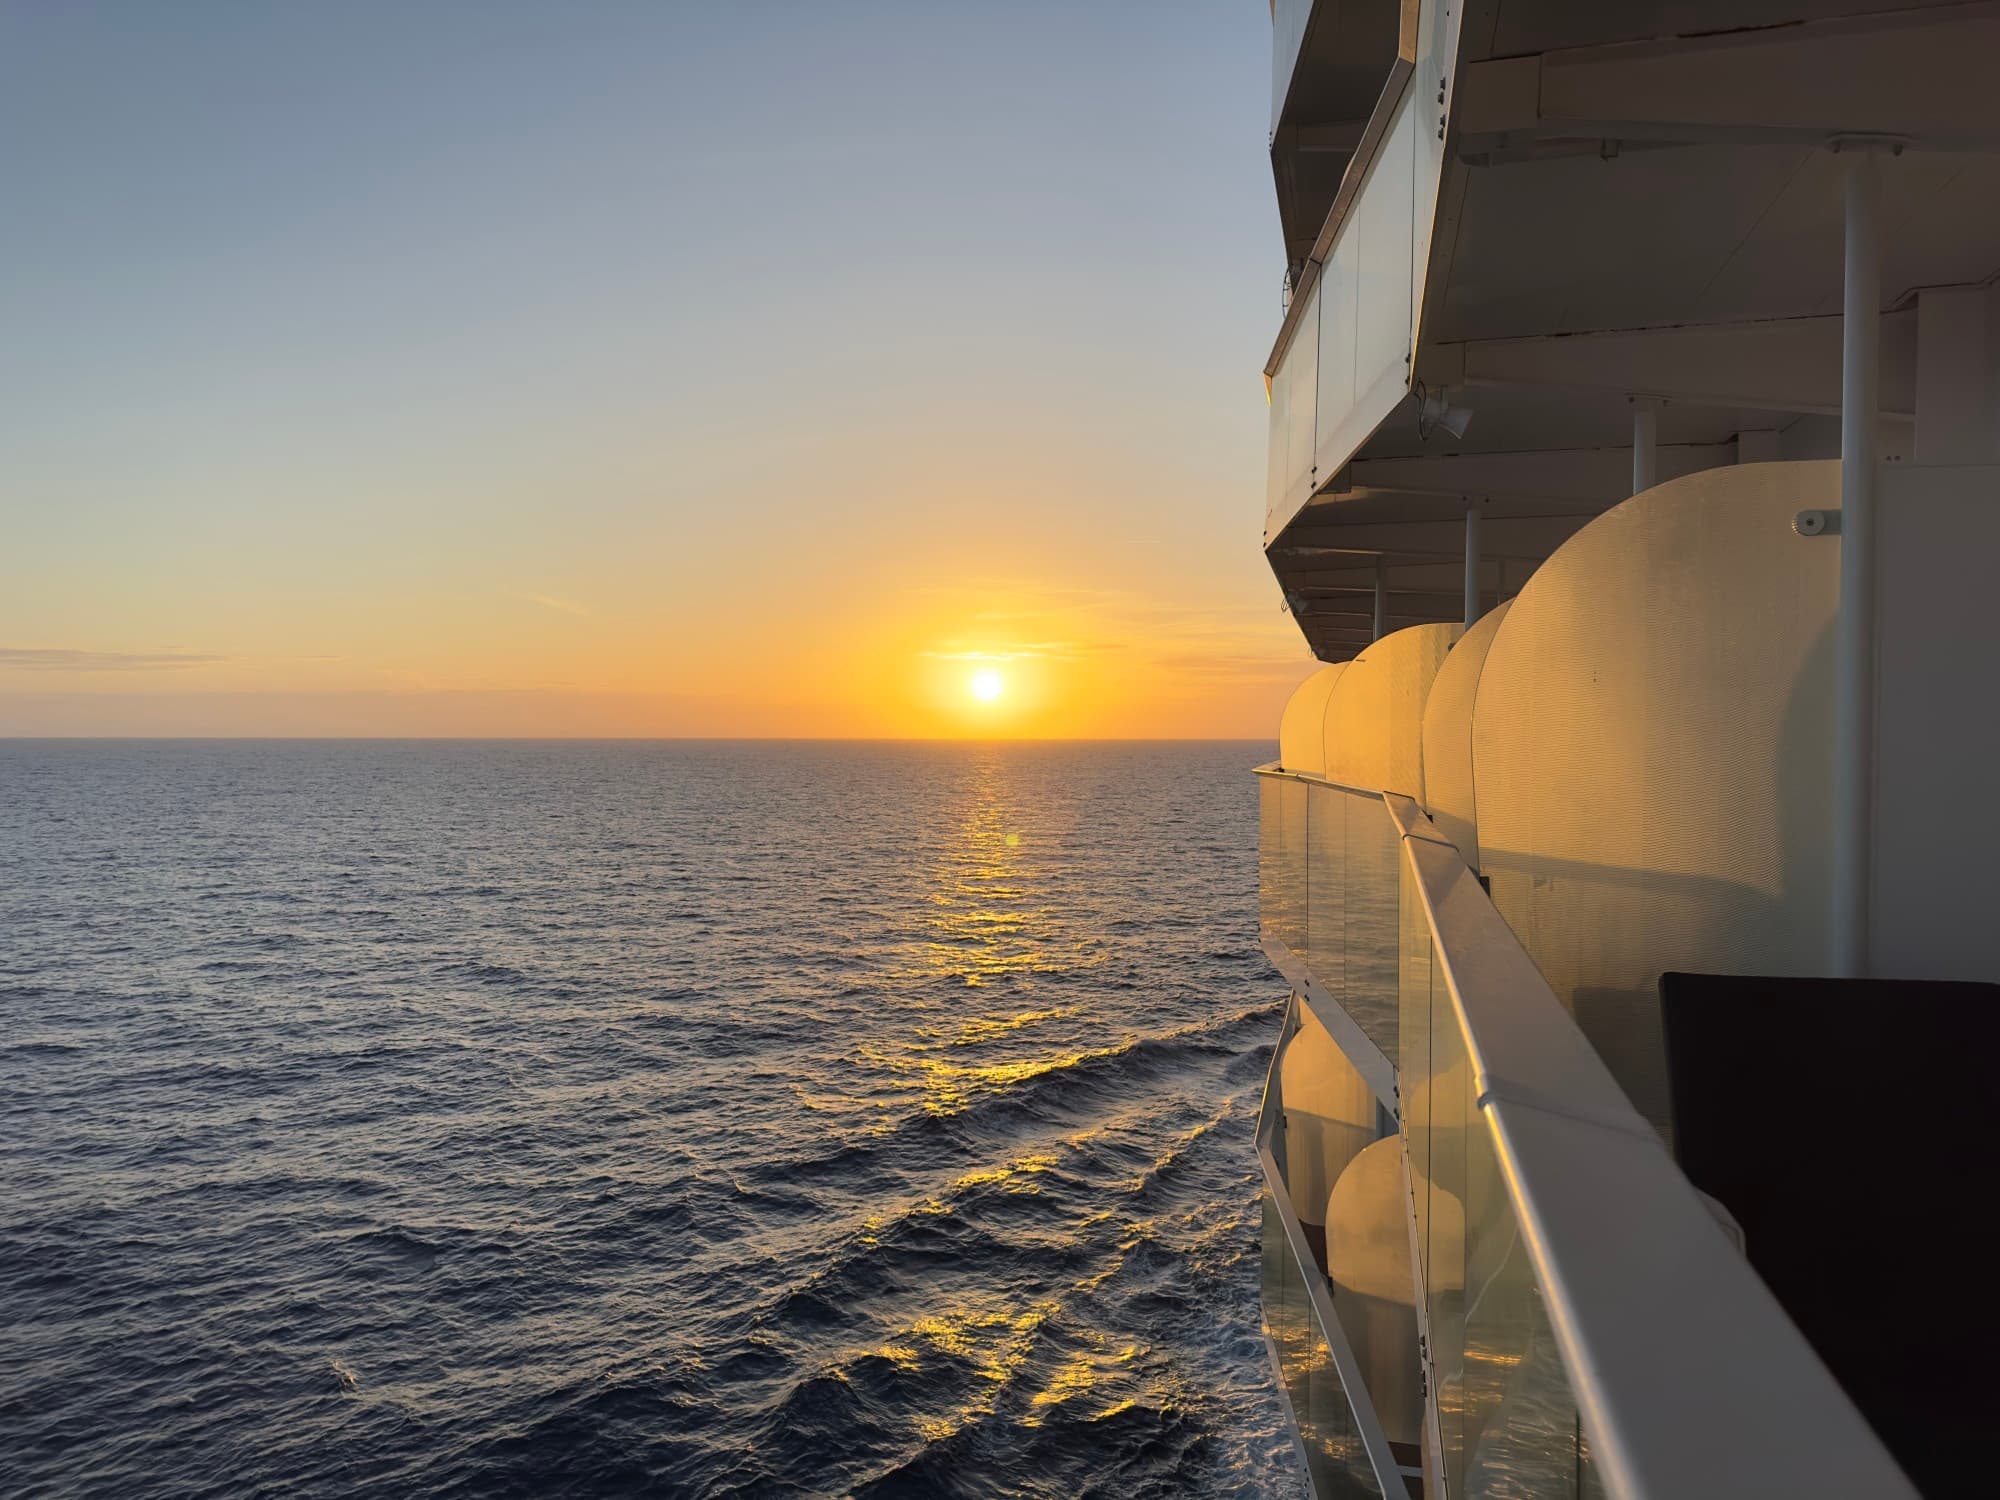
{"type": "Point", "coordinates": [1645, 444]}
{"type": "Point", "coordinates": [1471, 564]}
{"type": "Point", "coordinates": [1854, 639]}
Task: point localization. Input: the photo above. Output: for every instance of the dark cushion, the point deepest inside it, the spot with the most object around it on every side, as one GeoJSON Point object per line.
{"type": "Point", "coordinates": [1850, 1127]}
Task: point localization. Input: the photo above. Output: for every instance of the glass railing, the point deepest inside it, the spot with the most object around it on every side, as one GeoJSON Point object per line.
{"type": "Point", "coordinates": [1506, 1420]}
{"type": "Point", "coordinates": [1316, 1146]}
{"type": "Point", "coordinates": [1329, 1438]}
{"type": "Point", "coordinates": [1347, 347]}
{"type": "Point", "coordinates": [1585, 1325]}
{"type": "Point", "coordinates": [1330, 895]}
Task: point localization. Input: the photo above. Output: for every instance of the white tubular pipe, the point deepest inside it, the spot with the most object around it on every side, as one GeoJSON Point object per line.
{"type": "Point", "coordinates": [1854, 637]}
{"type": "Point", "coordinates": [1381, 599]}
{"type": "Point", "coordinates": [1472, 565]}
{"type": "Point", "coordinates": [1645, 446]}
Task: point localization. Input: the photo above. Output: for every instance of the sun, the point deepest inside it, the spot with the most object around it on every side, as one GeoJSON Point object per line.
{"type": "Point", "coordinates": [988, 685]}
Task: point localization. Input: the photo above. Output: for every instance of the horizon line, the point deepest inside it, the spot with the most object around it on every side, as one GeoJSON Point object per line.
{"type": "Point", "coordinates": [645, 739]}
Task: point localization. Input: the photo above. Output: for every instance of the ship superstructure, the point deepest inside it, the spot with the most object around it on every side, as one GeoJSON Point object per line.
{"type": "Point", "coordinates": [1635, 472]}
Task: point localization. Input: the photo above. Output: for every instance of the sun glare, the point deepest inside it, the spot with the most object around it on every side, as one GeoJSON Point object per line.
{"type": "Point", "coordinates": [986, 686]}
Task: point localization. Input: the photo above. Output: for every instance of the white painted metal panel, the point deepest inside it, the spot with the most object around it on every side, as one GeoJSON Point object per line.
{"type": "Point", "coordinates": [1651, 747]}
{"type": "Point", "coordinates": [1375, 711]}
{"type": "Point", "coordinates": [1302, 730]}
{"type": "Point", "coordinates": [1937, 727]}
{"type": "Point", "coordinates": [1448, 793]}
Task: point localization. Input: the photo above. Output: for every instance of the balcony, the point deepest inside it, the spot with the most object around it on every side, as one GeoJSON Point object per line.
{"type": "Point", "coordinates": [1329, 62]}
{"type": "Point", "coordinates": [1583, 1322]}
{"type": "Point", "coordinates": [1343, 359]}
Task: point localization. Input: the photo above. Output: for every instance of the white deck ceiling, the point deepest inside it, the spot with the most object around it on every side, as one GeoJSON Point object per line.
{"type": "Point", "coordinates": [1688, 252]}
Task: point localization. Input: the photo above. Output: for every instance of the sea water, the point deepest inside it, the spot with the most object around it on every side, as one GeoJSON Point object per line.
{"type": "Point", "coordinates": [595, 1118]}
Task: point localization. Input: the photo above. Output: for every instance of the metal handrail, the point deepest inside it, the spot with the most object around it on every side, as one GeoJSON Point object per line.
{"type": "Point", "coordinates": [1279, 772]}
{"type": "Point", "coordinates": [1645, 1293]}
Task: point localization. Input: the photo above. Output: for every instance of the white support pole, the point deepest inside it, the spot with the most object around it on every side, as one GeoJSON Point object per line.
{"type": "Point", "coordinates": [1645, 444]}
{"type": "Point", "coordinates": [1381, 598]}
{"type": "Point", "coordinates": [1854, 638]}
{"type": "Point", "coordinates": [1472, 564]}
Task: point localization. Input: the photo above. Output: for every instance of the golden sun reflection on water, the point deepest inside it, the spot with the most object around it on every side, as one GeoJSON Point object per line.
{"type": "Point", "coordinates": [985, 918]}
{"type": "Point", "coordinates": [997, 1343]}
{"type": "Point", "coordinates": [988, 920]}
{"type": "Point", "coordinates": [992, 919]}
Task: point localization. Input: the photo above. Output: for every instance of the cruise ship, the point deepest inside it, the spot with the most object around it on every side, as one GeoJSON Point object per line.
{"type": "Point", "coordinates": [1634, 473]}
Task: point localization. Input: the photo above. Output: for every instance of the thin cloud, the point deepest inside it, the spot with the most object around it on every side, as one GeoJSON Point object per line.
{"type": "Point", "coordinates": [58, 659]}
{"type": "Point", "coordinates": [1234, 668]}
{"type": "Point", "coordinates": [1032, 651]}
{"type": "Point", "coordinates": [550, 601]}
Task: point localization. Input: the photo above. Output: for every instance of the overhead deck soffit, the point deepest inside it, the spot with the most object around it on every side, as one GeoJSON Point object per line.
{"type": "Point", "coordinates": [1698, 234]}
{"type": "Point", "coordinates": [1507, 28]}
{"type": "Point", "coordinates": [1640, 201]}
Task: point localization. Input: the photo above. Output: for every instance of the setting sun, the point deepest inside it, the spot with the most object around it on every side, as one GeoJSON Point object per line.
{"type": "Point", "coordinates": [986, 686]}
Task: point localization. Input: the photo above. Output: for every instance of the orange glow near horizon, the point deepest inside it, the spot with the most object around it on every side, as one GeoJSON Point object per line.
{"type": "Point", "coordinates": [889, 659]}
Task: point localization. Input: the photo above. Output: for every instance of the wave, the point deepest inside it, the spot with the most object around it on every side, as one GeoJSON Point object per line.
{"type": "Point", "coordinates": [603, 1119]}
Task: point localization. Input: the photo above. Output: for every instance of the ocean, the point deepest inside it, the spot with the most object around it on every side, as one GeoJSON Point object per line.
{"type": "Point", "coordinates": [704, 1119]}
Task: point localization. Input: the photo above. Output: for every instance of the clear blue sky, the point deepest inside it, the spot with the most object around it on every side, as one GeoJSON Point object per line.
{"type": "Point", "coordinates": [661, 368]}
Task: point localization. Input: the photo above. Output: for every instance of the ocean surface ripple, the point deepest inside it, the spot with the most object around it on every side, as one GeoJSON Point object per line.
{"type": "Point", "coordinates": [589, 1119]}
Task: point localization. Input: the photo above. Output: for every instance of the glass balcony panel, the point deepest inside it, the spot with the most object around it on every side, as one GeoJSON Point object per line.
{"type": "Point", "coordinates": [1520, 1419]}
{"type": "Point", "coordinates": [1277, 459]}
{"type": "Point", "coordinates": [1334, 1454]}
{"type": "Point", "coordinates": [1297, 872]}
{"type": "Point", "coordinates": [1369, 979]}
{"type": "Point", "coordinates": [1329, 1116]}
{"type": "Point", "coordinates": [1589, 1482]}
{"type": "Point", "coordinates": [1374, 1288]}
{"type": "Point", "coordinates": [1294, 395]}
{"type": "Point", "coordinates": [1446, 1090]}
{"type": "Point", "coordinates": [1270, 851]}
{"type": "Point", "coordinates": [1336, 1460]}
{"type": "Point", "coordinates": [1382, 229]}
{"type": "Point", "coordinates": [1326, 953]}
{"type": "Point", "coordinates": [1363, 362]}
{"type": "Point", "coordinates": [1302, 368]}
{"type": "Point", "coordinates": [1338, 287]}
{"type": "Point", "coordinates": [1413, 1051]}
{"type": "Point", "coordinates": [1283, 873]}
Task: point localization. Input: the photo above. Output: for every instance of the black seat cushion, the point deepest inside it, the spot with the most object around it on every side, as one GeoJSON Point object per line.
{"type": "Point", "coordinates": [1850, 1127]}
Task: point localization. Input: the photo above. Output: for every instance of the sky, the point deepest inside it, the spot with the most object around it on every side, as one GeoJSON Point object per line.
{"type": "Point", "coordinates": [637, 369]}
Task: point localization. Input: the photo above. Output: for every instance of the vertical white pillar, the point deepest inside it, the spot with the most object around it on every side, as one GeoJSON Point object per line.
{"type": "Point", "coordinates": [1381, 598]}
{"type": "Point", "coordinates": [1854, 632]}
{"type": "Point", "coordinates": [1645, 444]}
{"type": "Point", "coordinates": [1472, 564]}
